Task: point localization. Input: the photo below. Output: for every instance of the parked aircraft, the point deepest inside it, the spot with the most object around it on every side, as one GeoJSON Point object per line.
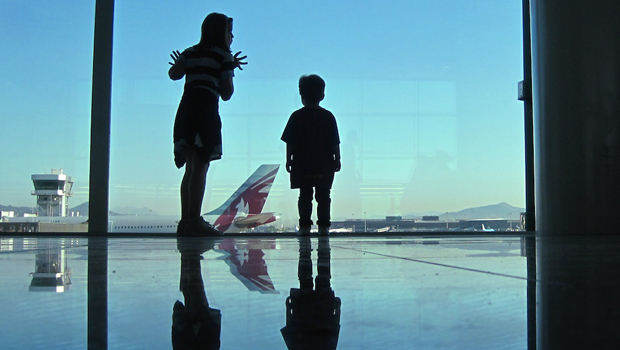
{"type": "Point", "coordinates": [242, 211]}
{"type": "Point", "coordinates": [315, 230]}
{"type": "Point", "coordinates": [487, 229]}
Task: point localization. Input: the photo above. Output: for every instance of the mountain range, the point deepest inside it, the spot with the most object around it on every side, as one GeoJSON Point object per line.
{"type": "Point", "coordinates": [82, 209]}
{"type": "Point", "coordinates": [495, 211]}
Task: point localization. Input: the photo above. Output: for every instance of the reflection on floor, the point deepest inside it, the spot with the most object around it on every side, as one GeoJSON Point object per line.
{"type": "Point", "coordinates": [407, 292]}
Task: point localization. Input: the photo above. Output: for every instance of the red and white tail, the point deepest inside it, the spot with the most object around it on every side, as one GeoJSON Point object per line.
{"type": "Point", "coordinates": [248, 200]}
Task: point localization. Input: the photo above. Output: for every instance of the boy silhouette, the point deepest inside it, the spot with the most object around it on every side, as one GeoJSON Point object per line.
{"type": "Point", "coordinates": [312, 153]}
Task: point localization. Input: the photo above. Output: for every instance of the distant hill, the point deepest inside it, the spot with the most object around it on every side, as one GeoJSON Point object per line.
{"type": "Point", "coordinates": [19, 211]}
{"type": "Point", "coordinates": [82, 209]}
{"type": "Point", "coordinates": [495, 211]}
{"type": "Point", "coordinates": [118, 211]}
{"type": "Point", "coordinates": [420, 215]}
{"type": "Point", "coordinates": [134, 211]}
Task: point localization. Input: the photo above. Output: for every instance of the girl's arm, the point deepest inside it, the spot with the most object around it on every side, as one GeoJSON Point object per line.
{"type": "Point", "coordinates": [226, 88]}
{"type": "Point", "coordinates": [177, 71]}
{"type": "Point", "coordinates": [226, 85]}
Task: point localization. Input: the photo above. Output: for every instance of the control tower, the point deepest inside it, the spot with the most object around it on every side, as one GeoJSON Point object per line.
{"type": "Point", "coordinates": [53, 192]}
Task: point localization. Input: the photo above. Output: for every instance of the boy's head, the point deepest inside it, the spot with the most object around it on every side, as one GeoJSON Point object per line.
{"type": "Point", "coordinates": [311, 88]}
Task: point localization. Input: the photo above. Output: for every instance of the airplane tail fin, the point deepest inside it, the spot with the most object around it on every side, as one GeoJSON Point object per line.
{"type": "Point", "coordinates": [249, 198]}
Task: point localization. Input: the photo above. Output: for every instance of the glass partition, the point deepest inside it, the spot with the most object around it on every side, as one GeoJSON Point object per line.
{"type": "Point", "coordinates": [424, 93]}
{"type": "Point", "coordinates": [45, 93]}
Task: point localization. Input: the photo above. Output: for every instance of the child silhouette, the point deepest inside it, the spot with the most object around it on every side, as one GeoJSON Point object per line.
{"type": "Point", "coordinates": [208, 69]}
{"type": "Point", "coordinates": [312, 153]}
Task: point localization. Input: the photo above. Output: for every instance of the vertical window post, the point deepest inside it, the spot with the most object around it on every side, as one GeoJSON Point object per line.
{"type": "Point", "coordinates": [525, 95]}
{"type": "Point", "coordinates": [100, 119]}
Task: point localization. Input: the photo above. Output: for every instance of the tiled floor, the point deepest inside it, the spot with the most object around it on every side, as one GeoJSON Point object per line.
{"type": "Point", "coordinates": [405, 292]}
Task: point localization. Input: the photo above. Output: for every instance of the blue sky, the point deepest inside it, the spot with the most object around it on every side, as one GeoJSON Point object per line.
{"type": "Point", "coordinates": [424, 92]}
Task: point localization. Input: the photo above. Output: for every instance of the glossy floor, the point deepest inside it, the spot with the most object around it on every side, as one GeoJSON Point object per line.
{"type": "Point", "coordinates": [357, 293]}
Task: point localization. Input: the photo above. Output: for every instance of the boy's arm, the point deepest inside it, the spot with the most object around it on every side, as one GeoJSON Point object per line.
{"type": "Point", "coordinates": [289, 157]}
{"type": "Point", "coordinates": [337, 164]}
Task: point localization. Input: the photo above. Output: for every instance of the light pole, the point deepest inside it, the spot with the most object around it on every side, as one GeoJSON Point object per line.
{"type": "Point", "coordinates": [365, 225]}
{"type": "Point", "coordinates": [353, 221]}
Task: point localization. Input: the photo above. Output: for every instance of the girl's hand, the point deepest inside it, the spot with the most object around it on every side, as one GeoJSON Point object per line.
{"type": "Point", "coordinates": [177, 71]}
{"type": "Point", "coordinates": [238, 60]}
{"type": "Point", "coordinates": [175, 56]}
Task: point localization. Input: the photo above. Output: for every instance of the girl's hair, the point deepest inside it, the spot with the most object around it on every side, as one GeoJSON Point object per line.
{"type": "Point", "coordinates": [214, 29]}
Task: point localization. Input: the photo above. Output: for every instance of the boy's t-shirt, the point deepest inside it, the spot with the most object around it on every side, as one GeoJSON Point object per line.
{"type": "Point", "coordinates": [313, 133]}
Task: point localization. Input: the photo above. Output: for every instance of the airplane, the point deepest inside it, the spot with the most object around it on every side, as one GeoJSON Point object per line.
{"type": "Point", "coordinates": [341, 230]}
{"type": "Point", "coordinates": [242, 211]}
{"type": "Point", "coordinates": [315, 230]}
{"type": "Point", "coordinates": [485, 229]}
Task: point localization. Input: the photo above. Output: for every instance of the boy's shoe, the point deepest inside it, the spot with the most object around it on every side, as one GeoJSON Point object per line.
{"type": "Point", "coordinates": [323, 231]}
{"type": "Point", "coordinates": [199, 227]}
{"type": "Point", "coordinates": [304, 231]}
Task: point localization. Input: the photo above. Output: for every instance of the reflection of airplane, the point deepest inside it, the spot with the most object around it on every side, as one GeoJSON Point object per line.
{"type": "Point", "coordinates": [248, 265]}
{"type": "Point", "coordinates": [241, 211]}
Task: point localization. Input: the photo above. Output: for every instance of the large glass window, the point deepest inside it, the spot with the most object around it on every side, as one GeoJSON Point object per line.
{"type": "Point", "coordinates": [45, 94]}
{"type": "Point", "coordinates": [424, 93]}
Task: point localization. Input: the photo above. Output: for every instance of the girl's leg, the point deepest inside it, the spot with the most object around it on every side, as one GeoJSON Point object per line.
{"type": "Point", "coordinates": [196, 184]}
{"type": "Point", "coordinates": [185, 191]}
{"type": "Point", "coordinates": [192, 194]}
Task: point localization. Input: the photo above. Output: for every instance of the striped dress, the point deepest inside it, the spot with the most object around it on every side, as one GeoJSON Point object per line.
{"type": "Point", "coordinates": [197, 124]}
